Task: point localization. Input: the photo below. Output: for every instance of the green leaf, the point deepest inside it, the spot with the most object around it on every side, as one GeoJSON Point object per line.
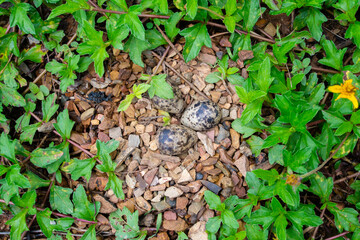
{"type": "Point", "coordinates": [60, 199]}
{"type": "Point", "coordinates": [126, 102]}
{"type": "Point", "coordinates": [345, 218]}
{"type": "Point", "coordinates": [264, 79]}
{"type": "Point", "coordinates": [262, 216]}
{"type": "Point", "coordinates": [230, 23]}
{"type": "Point", "coordinates": [20, 18]}
{"type": "Point", "coordinates": [121, 3]}
{"type": "Point", "coordinates": [99, 56]}
{"type": "Point", "coordinates": [334, 57]}
{"type": "Point", "coordinates": [140, 89]}
{"type": "Point", "coordinates": [268, 175]}
{"type": "Point", "coordinates": [305, 215]}
{"type": "Point", "coordinates": [43, 157]}
{"type": "Point", "coordinates": [355, 117]}
{"type": "Point", "coordinates": [254, 232]}
{"type": "Point", "coordinates": [70, 6]}
{"type": "Point", "coordinates": [251, 110]}
{"type": "Point", "coordinates": [160, 87]}
{"type": "Point", "coordinates": [314, 20]}
{"type": "Point", "coordinates": [229, 219]}
{"type": "Point", "coordinates": [34, 54]}
{"type": "Point", "coordinates": [10, 96]}
{"type": "Point", "coordinates": [348, 147]}
{"type": "Point", "coordinates": [135, 47]}
{"type": "Point", "coordinates": [90, 234]}
{"type": "Point", "coordinates": [230, 7]}
{"type": "Point", "coordinates": [129, 229]}
{"type": "Point", "coordinates": [213, 77]}
{"type": "Point", "coordinates": [352, 32]}
{"type": "Point", "coordinates": [335, 119]}
{"type": "Point", "coordinates": [18, 224]}
{"type": "Point", "coordinates": [345, 127]}
{"type": "Point", "coordinates": [255, 143]}
{"type": "Point", "coordinates": [14, 177]}
{"type": "Point", "coordinates": [213, 224]}
{"type": "Point", "coordinates": [7, 148]}
{"type": "Point", "coordinates": [64, 125]}
{"type": "Point", "coordinates": [155, 38]}
{"type": "Point", "coordinates": [115, 184]}
{"type": "Point", "coordinates": [321, 186]}
{"type": "Point", "coordinates": [170, 26]}
{"type": "Point", "coordinates": [80, 168]}
{"type": "Point", "coordinates": [348, 9]}
{"type": "Point", "coordinates": [182, 236]}
{"type": "Point", "coordinates": [251, 13]}
{"type": "Point", "coordinates": [191, 8]}
{"type": "Point", "coordinates": [36, 181]}
{"type": "Point", "coordinates": [48, 225]}
{"type": "Point", "coordinates": [212, 200]}
{"type": "Point", "coordinates": [82, 207]}
{"type": "Point", "coordinates": [135, 25]}
{"type": "Point", "coordinates": [195, 37]}
{"type": "Point", "coordinates": [28, 132]}
{"type": "Point", "coordinates": [49, 107]}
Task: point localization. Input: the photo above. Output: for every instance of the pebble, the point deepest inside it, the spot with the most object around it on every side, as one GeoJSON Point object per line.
{"type": "Point", "coordinates": [106, 207]}
{"type": "Point", "coordinates": [223, 133]}
{"type": "Point", "coordinates": [235, 139]}
{"type": "Point", "coordinates": [207, 143]}
{"type": "Point", "coordinates": [199, 176]}
{"type": "Point", "coordinates": [211, 186]}
{"type": "Point", "coordinates": [225, 113]}
{"type": "Point", "coordinates": [242, 164]}
{"type": "Point", "coordinates": [171, 202]}
{"type": "Point", "coordinates": [194, 208]}
{"type": "Point", "coordinates": [219, 54]}
{"type": "Point", "coordinates": [115, 133]}
{"type": "Point", "coordinates": [148, 220]}
{"type": "Point", "coordinates": [173, 192]}
{"type": "Point", "coordinates": [194, 186]}
{"type": "Point", "coordinates": [87, 114]}
{"type": "Point", "coordinates": [175, 225]}
{"type": "Point", "coordinates": [169, 215]}
{"type": "Point", "coordinates": [198, 231]}
{"type": "Point", "coordinates": [207, 58]}
{"type": "Point", "coordinates": [142, 203]}
{"type": "Point", "coordinates": [133, 141]}
{"type": "Point", "coordinates": [181, 202]}
{"type": "Point", "coordinates": [185, 177]}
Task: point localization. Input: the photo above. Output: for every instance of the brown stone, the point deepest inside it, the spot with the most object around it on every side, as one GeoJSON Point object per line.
{"type": "Point", "coordinates": [224, 42]}
{"type": "Point", "coordinates": [181, 202]}
{"type": "Point", "coordinates": [177, 225]}
{"type": "Point", "coordinates": [106, 206]}
{"type": "Point", "coordinates": [170, 215]}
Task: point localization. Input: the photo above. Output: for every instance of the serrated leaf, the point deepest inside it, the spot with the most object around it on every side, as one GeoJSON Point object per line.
{"type": "Point", "coordinates": [36, 181]}
{"type": "Point", "coordinates": [10, 96]}
{"type": "Point", "coordinates": [48, 225]}
{"type": "Point", "coordinates": [90, 234]}
{"type": "Point", "coordinates": [353, 32]}
{"type": "Point", "coordinates": [49, 107]}
{"type": "Point", "coordinates": [70, 6]}
{"type": "Point", "coordinates": [191, 8]}
{"type": "Point", "coordinates": [230, 23]}
{"type": "Point", "coordinates": [334, 57]}
{"type": "Point", "coordinates": [8, 147]}
{"type": "Point", "coordinates": [135, 25]}
{"type": "Point", "coordinates": [213, 77]}
{"type": "Point", "coordinates": [115, 184]}
{"type": "Point", "coordinates": [18, 224]}
{"type": "Point", "coordinates": [135, 47]}
{"type": "Point", "coordinates": [60, 199]}
{"type": "Point", "coordinates": [160, 87]}
{"type": "Point", "coordinates": [314, 21]}
{"type": "Point", "coordinates": [28, 132]}
{"type": "Point", "coordinates": [64, 125]}
{"type": "Point", "coordinates": [20, 18]}
{"type": "Point", "coordinates": [195, 37]}
{"type": "Point", "coordinates": [212, 200]}
{"type": "Point", "coordinates": [251, 12]}
{"type": "Point", "coordinates": [34, 54]}
{"type": "Point", "coordinates": [80, 168]}
{"type": "Point", "coordinates": [321, 186]}
{"type": "Point", "coordinates": [82, 207]}
{"type": "Point", "coordinates": [126, 102]}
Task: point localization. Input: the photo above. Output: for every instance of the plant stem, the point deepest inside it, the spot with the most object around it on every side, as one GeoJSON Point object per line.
{"type": "Point", "coordinates": [337, 236]}
{"type": "Point", "coordinates": [327, 160]}
{"type": "Point", "coordinates": [346, 178]}
{"type": "Point", "coordinates": [120, 12]}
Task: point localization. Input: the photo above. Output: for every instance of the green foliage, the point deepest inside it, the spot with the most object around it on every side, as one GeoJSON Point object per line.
{"type": "Point", "coordinates": [285, 115]}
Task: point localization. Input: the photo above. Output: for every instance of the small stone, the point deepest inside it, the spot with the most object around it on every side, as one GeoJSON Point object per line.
{"type": "Point", "coordinates": [133, 141]}
{"type": "Point", "coordinates": [153, 145]}
{"type": "Point", "coordinates": [173, 192]}
{"type": "Point", "coordinates": [177, 225]}
{"type": "Point", "coordinates": [224, 42]}
{"type": "Point", "coordinates": [142, 203]}
{"type": "Point", "coordinates": [235, 139]}
{"type": "Point", "coordinates": [207, 143]}
{"type": "Point", "coordinates": [161, 206]}
{"type": "Point", "coordinates": [219, 54]}
{"type": "Point", "coordinates": [140, 128]}
{"type": "Point", "coordinates": [171, 202]}
{"type": "Point", "coordinates": [162, 236]}
{"type": "Point", "coordinates": [169, 215]}
{"type": "Point", "coordinates": [242, 164]}
{"type": "Point", "coordinates": [148, 195]}
{"type": "Point", "coordinates": [47, 127]}
{"type": "Point", "coordinates": [198, 231]}
{"type": "Point", "coordinates": [130, 181]}
{"type": "Point", "coordinates": [207, 58]}
{"type": "Point", "coordinates": [185, 177]}
{"type": "Point", "coordinates": [160, 187]}
{"type": "Point", "coordinates": [87, 114]}
{"type": "Point", "coordinates": [215, 96]}
{"type": "Point", "coordinates": [128, 130]}
{"type": "Point", "coordinates": [150, 129]}
{"type": "Point", "coordinates": [139, 192]}
{"type": "Point", "coordinates": [207, 215]}
{"type": "Point", "coordinates": [245, 149]}
{"type": "Point", "coordinates": [224, 112]}
{"type": "Point", "coordinates": [194, 186]}
{"type": "Point", "coordinates": [106, 206]}
{"type": "Point", "coordinates": [136, 68]}
{"type": "Point", "coordinates": [149, 175]}
{"type": "Point", "coordinates": [130, 204]}
{"type": "Point", "coordinates": [270, 29]}
{"type": "Point", "coordinates": [181, 202]}
{"type": "Point", "coordinates": [199, 176]}
{"type": "Point", "coordinates": [223, 133]}
{"type": "Point", "coordinates": [199, 83]}
{"type": "Point", "coordinates": [194, 208]}
{"type": "Point", "coordinates": [211, 186]}
{"type": "Point", "coordinates": [226, 182]}
{"type": "Point", "coordinates": [148, 220]}
{"type": "Point", "coordinates": [114, 75]}
{"type": "Point", "coordinates": [115, 133]}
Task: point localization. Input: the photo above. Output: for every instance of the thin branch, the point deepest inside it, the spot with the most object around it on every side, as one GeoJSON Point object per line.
{"type": "Point", "coordinates": [317, 228]}
{"type": "Point", "coordinates": [346, 178]}
{"type": "Point", "coordinates": [120, 12]}
{"type": "Point", "coordinates": [327, 160]}
{"type": "Point", "coordinates": [337, 236]}
{"type": "Point", "coordinates": [169, 42]}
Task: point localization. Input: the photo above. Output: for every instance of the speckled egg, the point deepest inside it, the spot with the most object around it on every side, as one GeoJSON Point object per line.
{"type": "Point", "coordinates": [201, 115]}
{"type": "Point", "coordinates": [174, 105]}
{"type": "Point", "coordinates": [175, 139]}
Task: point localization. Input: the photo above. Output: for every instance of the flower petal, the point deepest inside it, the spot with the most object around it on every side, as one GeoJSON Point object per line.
{"type": "Point", "coordinates": [335, 89]}
{"type": "Point", "coordinates": [353, 99]}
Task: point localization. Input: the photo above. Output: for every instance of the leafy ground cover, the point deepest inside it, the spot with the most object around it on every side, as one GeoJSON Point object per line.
{"type": "Point", "coordinates": [79, 157]}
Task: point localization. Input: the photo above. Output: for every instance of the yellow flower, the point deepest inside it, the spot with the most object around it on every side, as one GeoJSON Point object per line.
{"type": "Point", "coordinates": [346, 90]}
